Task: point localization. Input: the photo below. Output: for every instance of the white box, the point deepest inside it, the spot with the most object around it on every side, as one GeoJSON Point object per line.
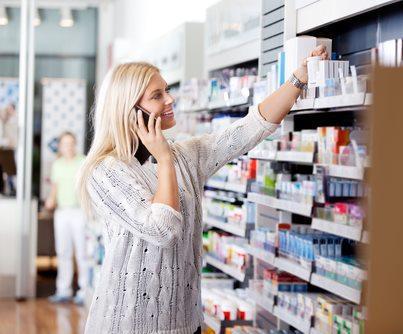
{"type": "Point", "coordinates": [298, 48]}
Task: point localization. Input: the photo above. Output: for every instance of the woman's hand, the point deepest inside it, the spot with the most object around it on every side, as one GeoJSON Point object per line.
{"type": "Point", "coordinates": [302, 72]}
{"type": "Point", "coordinates": [153, 138]}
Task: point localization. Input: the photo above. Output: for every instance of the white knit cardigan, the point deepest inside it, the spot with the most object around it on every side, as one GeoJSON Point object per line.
{"type": "Point", "coordinates": [150, 278]}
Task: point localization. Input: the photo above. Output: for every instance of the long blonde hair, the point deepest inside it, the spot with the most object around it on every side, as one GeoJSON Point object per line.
{"type": "Point", "coordinates": [115, 119]}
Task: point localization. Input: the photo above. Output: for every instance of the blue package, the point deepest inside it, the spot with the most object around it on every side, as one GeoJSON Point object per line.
{"type": "Point", "coordinates": [338, 188]}
{"type": "Point", "coordinates": [323, 247]}
{"type": "Point", "coordinates": [299, 287]}
{"type": "Point", "coordinates": [284, 287]}
{"type": "Point", "coordinates": [316, 247]}
{"type": "Point", "coordinates": [346, 189]}
{"type": "Point", "coordinates": [330, 247]}
{"type": "Point", "coordinates": [338, 247]}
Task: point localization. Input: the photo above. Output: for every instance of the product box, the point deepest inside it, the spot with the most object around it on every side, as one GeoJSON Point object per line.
{"type": "Point", "coordinates": [298, 48]}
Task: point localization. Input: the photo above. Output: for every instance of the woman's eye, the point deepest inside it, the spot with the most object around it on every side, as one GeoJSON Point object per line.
{"type": "Point", "coordinates": [157, 97]}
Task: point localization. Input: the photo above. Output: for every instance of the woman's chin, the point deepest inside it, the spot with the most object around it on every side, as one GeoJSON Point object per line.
{"type": "Point", "coordinates": [168, 124]}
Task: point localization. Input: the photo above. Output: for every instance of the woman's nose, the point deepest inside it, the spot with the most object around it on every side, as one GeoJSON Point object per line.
{"type": "Point", "coordinates": [169, 99]}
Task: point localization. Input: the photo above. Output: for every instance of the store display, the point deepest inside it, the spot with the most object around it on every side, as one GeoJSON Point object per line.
{"type": "Point", "coordinates": [345, 270]}
{"type": "Point", "coordinates": [231, 87]}
{"type": "Point", "coordinates": [333, 314]}
{"type": "Point", "coordinates": [227, 304]}
{"type": "Point", "coordinates": [265, 239]}
{"type": "Point", "coordinates": [342, 213]}
{"type": "Point", "coordinates": [304, 244]}
{"type": "Point", "coordinates": [226, 248]}
{"type": "Point", "coordinates": [226, 212]}
{"type": "Point", "coordinates": [296, 50]}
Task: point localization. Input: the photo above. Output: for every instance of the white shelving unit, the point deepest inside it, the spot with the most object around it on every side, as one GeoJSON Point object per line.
{"type": "Point", "coordinates": [262, 199]}
{"type": "Point", "coordinates": [348, 172]}
{"type": "Point", "coordinates": [227, 186]}
{"type": "Point", "coordinates": [261, 254]}
{"type": "Point", "coordinates": [227, 227]}
{"type": "Point", "coordinates": [337, 288]}
{"type": "Point", "coordinates": [293, 156]}
{"type": "Point", "coordinates": [216, 184]}
{"type": "Point", "coordinates": [303, 104]}
{"type": "Point", "coordinates": [222, 198]}
{"type": "Point", "coordinates": [294, 207]}
{"type": "Point", "coordinates": [286, 156]}
{"type": "Point", "coordinates": [261, 300]}
{"type": "Point", "coordinates": [294, 268]}
{"type": "Point", "coordinates": [247, 51]}
{"type": "Point", "coordinates": [289, 206]}
{"type": "Point", "coordinates": [322, 12]}
{"type": "Point", "coordinates": [229, 270]}
{"type": "Point", "coordinates": [330, 102]}
{"type": "Point", "coordinates": [345, 231]}
{"type": "Point", "coordinates": [212, 322]}
{"type": "Point", "coordinates": [294, 321]}
{"type": "Point", "coordinates": [262, 155]}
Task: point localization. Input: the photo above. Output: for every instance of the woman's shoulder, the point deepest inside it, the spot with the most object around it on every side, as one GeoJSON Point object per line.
{"type": "Point", "coordinates": [111, 165]}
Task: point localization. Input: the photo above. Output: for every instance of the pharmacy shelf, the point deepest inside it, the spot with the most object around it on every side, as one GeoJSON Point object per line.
{"type": "Point", "coordinates": [342, 230]}
{"type": "Point", "coordinates": [293, 267]}
{"type": "Point", "coordinates": [236, 187]}
{"type": "Point", "coordinates": [295, 156]}
{"type": "Point", "coordinates": [340, 101]}
{"type": "Point", "coordinates": [303, 104]}
{"type": "Point", "coordinates": [347, 172]}
{"type": "Point", "coordinates": [263, 199]}
{"type": "Point", "coordinates": [216, 184]}
{"type": "Point", "coordinates": [261, 254]}
{"type": "Point", "coordinates": [212, 322]}
{"type": "Point", "coordinates": [219, 326]}
{"type": "Point", "coordinates": [246, 50]}
{"type": "Point", "coordinates": [337, 288]}
{"type": "Point", "coordinates": [262, 155]}
{"type": "Point", "coordinates": [227, 186]}
{"type": "Point", "coordinates": [293, 207]}
{"type": "Point", "coordinates": [333, 102]}
{"type": "Point", "coordinates": [227, 227]}
{"type": "Point", "coordinates": [287, 156]}
{"type": "Point", "coordinates": [302, 325]}
{"type": "Point", "coordinates": [261, 300]}
{"type": "Point", "coordinates": [223, 198]}
{"type": "Point", "coordinates": [229, 270]}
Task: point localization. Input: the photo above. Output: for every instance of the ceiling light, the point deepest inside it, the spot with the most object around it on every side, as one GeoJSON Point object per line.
{"type": "Point", "coordinates": [3, 16]}
{"type": "Point", "coordinates": [66, 18]}
{"type": "Point", "coordinates": [37, 18]}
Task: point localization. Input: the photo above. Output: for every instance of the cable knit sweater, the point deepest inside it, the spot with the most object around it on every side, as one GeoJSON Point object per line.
{"type": "Point", "coordinates": [150, 278]}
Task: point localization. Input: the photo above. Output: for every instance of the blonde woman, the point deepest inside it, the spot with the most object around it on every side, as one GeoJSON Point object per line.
{"type": "Point", "coordinates": [152, 215]}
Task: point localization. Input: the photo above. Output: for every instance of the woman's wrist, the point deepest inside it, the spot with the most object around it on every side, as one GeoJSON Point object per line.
{"type": "Point", "coordinates": [301, 74]}
{"type": "Point", "coordinates": [166, 160]}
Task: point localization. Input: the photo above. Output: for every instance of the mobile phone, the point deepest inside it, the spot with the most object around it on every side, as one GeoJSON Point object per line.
{"type": "Point", "coordinates": [146, 115]}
